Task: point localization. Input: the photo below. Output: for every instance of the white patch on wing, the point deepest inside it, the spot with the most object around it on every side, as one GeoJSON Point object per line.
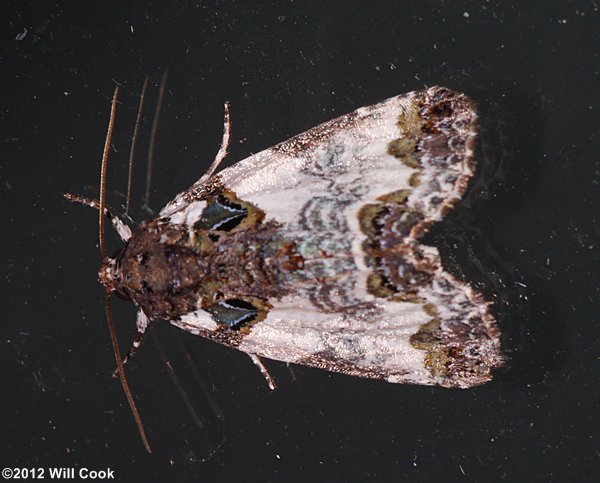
{"type": "Point", "coordinates": [295, 330]}
{"type": "Point", "coordinates": [189, 215]}
{"type": "Point", "coordinates": [194, 322]}
{"type": "Point", "coordinates": [281, 181]}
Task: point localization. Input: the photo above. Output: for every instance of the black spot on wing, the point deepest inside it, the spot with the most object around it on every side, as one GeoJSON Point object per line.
{"type": "Point", "coordinates": [221, 215]}
{"type": "Point", "coordinates": [233, 313]}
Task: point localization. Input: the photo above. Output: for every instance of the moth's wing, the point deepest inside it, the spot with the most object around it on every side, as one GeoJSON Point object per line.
{"type": "Point", "coordinates": [386, 144]}
{"type": "Point", "coordinates": [354, 194]}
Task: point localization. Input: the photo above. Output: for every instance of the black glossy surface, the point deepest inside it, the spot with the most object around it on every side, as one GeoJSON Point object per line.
{"type": "Point", "coordinates": [526, 234]}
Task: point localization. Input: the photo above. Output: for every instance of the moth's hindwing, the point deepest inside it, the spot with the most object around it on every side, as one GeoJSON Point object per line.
{"type": "Point", "coordinates": [311, 248]}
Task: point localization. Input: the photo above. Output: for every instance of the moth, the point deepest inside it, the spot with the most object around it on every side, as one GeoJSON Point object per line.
{"type": "Point", "coordinates": [309, 252]}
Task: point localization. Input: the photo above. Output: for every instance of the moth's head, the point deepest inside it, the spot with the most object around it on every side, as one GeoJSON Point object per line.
{"type": "Point", "coordinates": [154, 268]}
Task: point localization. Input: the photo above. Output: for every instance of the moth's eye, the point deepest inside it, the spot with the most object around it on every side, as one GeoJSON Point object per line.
{"type": "Point", "coordinates": [233, 313]}
{"type": "Point", "coordinates": [221, 215]}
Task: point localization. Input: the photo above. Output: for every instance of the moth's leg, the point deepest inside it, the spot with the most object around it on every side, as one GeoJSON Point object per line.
{"type": "Point", "coordinates": [141, 324]}
{"type": "Point", "coordinates": [120, 227]}
{"type": "Point", "coordinates": [224, 145]}
{"type": "Point", "coordinates": [258, 362]}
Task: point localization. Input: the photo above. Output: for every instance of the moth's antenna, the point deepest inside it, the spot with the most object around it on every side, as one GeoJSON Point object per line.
{"type": "Point", "coordinates": [152, 145]}
{"type": "Point", "coordinates": [111, 325]}
{"type": "Point", "coordinates": [134, 139]}
{"type": "Point", "coordinates": [115, 343]}
{"type": "Point", "coordinates": [111, 124]}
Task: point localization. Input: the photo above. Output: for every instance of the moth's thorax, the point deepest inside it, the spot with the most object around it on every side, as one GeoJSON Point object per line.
{"type": "Point", "coordinates": [171, 269]}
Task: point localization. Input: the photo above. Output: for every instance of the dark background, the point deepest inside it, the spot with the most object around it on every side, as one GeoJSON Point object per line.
{"type": "Point", "coordinates": [526, 235]}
